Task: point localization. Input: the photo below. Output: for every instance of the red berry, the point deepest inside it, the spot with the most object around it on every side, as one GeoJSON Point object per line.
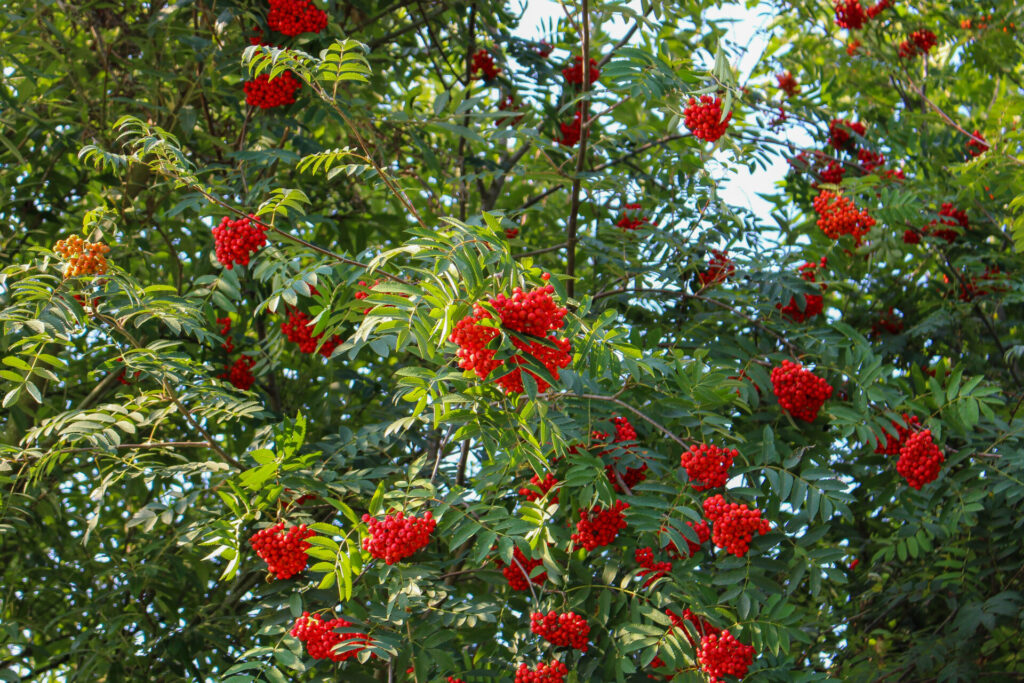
{"type": "Point", "coordinates": [651, 569]}
{"type": "Point", "coordinates": [320, 638]}
{"type": "Point", "coordinates": [813, 303]}
{"type": "Point", "coordinates": [599, 526]}
{"type": "Point", "coordinates": [236, 241]}
{"type": "Point", "coordinates": [850, 14]}
{"type": "Point", "coordinates": [702, 627]}
{"type": "Point", "coordinates": [631, 218]}
{"type": "Point", "coordinates": [555, 672]}
{"type": "Point", "coordinates": [734, 524]}
{"type": "Point", "coordinates": [704, 118]}
{"type": "Point", "coordinates": [299, 330]}
{"type": "Point", "coordinates": [574, 72]}
{"type": "Point", "coordinates": [801, 393]}
{"type": "Point", "coordinates": [722, 655]}
{"type": "Point", "coordinates": [483, 62]}
{"type": "Point", "coordinates": [284, 553]}
{"type": "Point", "coordinates": [787, 83]}
{"type": "Point", "coordinates": [567, 629]}
{"type": "Point", "coordinates": [240, 373]}
{"type": "Point", "coordinates": [707, 466]}
{"type": "Point", "coordinates": [396, 537]}
{"type": "Point", "coordinates": [266, 93]}
{"type": "Point", "coordinates": [977, 145]}
{"type": "Point", "coordinates": [537, 489]}
{"type": "Point", "coordinates": [518, 573]}
{"type": "Point", "coordinates": [838, 215]}
{"type": "Point", "coordinates": [293, 17]}
{"type": "Point", "coordinates": [839, 132]}
{"type": "Point", "coordinates": [920, 459]}
{"type": "Point", "coordinates": [571, 132]}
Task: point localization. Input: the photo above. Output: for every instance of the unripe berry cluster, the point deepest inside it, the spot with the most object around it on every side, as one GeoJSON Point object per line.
{"type": "Point", "coordinates": [734, 524]}
{"type": "Point", "coordinates": [236, 241]}
{"type": "Point", "coordinates": [574, 72]}
{"type": "Point", "coordinates": [850, 14]}
{"type": "Point", "coordinates": [787, 83]}
{"type": "Point", "coordinates": [920, 459]}
{"type": "Point", "coordinates": [531, 313]}
{"type": "Point", "coordinates": [838, 215]}
{"type": "Point", "coordinates": [519, 578]}
{"type": "Point", "coordinates": [813, 303]}
{"type": "Point", "coordinates": [707, 466]}
{"type": "Point", "coordinates": [839, 132]}
{"type": "Point", "coordinates": [567, 629]}
{"type": "Point", "coordinates": [893, 444]}
{"type": "Point", "coordinates": [555, 672]}
{"type": "Point", "coordinates": [284, 552]}
{"type": "Point", "coordinates": [631, 218]}
{"type": "Point", "coordinates": [320, 638]}
{"type": "Point", "coordinates": [801, 393]}
{"type": "Point", "coordinates": [240, 373]}
{"type": "Point", "coordinates": [704, 118]}
{"type": "Point", "coordinates": [537, 489]}
{"type": "Point", "coordinates": [599, 526]}
{"type": "Point", "coordinates": [299, 330]}
{"type": "Point", "coordinates": [83, 258]}
{"type": "Point", "coordinates": [722, 655]}
{"type": "Point", "coordinates": [294, 17]}
{"type": "Point", "coordinates": [571, 132]}
{"type": "Point", "coordinates": [396, 537]}
{"type": "Point", "coordinates": [720, 268]}
{"type": "Point", "coordinates": [483, 63]}
{"type": "Point", "coordinates": [651, 569]}
{"type": "Point", "coordinates": [266, 92]}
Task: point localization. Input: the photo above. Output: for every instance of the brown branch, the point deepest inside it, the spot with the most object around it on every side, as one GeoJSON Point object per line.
{"type": "Point", "coordinates": [581, 158]}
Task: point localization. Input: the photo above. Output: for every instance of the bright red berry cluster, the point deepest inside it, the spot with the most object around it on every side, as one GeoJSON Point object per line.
{"type": "Point", "coordinates": [567, 629]}
{"type": "Point", "coordinates": [722, 655]}
{"type": "Point", "coordinates": [320, 638]}
{"type": "Point", "coordinates": [574, 72]}
{"type": "Point", "coordinates": [703, 532]}
{"type": "Point", "coordinates": [850, 14]}
{"type": "Point", "coordinates": [720, 268]}
{"type": "Point", "coordinates": [537, 489]}
{"type": "Point", "coordinates": [240, 373]}
{"type": "Point", "coordinates": [284, 552]}
{"type": "Point", "coordinates": [814, 304]}
{"type": "Point", "coordinates": [571, 131]}
{"type": "Point", "coordinates": [630, 218]}
{"type": "Point", "coordinates": [599, 526]}
{"type": "Point", "coordinates": [704, 118]}
{"type": "Point", "coordinates": [236, 241]}
{"type": "Point", "coordinates": [555, 672]}
{"type": "Point", "coordinates": [838, 215]}
{"type": "Point", "coordinates": [787, 83]}
{"type": "Point", "coordinates": [453, 679]}
{"type": "Point", "coordinates": [952, 217]}
{"type": "Point", "coordinates": [702, 627]}
{"type": "Point", "coordinates": [651, 569]}
{"type": "Point", "coordinates": [833, 173]}
{"type": "Point", "coordinates": [734, 524]}
{"type": "Point", "coordinates": [839, 132]}
{"type": "Point", "coordinates": [893, 444]}
{"type": "Point", "coordinates": [510, 105]}
{"type": "Point", "coordinates": [869, 160]}
{"type": "Point", "coordinates": [801, 393]}
{"type": "Point", "coordinates": [518, 573]}
{"type": "Point", "coordinates": [294, 17]}
{"type": "Point", "coordinates": [396, 537]}
{"type": "Point", "coordinates": [299, 330]}
{"type": "Point", "coordinates": [529, 313]}
{"type": "Point", "coordinates": [225, 330]}
{"type": "Point", "coordinates": [266, 92]}
{"type": "Point", "coordinates": [977, 145]}
{"type": "Point", "coordinates": [920, 42]}
{"type": "Point", "coordinates": [483, 63]}
{"type": "Point", "coordinates": [707, 466]}
{"type": "Point", "coordinates": [878, 8]}
{"type": "Point", "coordinates": [920, 459]}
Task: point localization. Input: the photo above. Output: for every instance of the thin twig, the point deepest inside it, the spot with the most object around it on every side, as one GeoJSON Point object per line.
{"type": "Point", "coordinates": [581, 158]}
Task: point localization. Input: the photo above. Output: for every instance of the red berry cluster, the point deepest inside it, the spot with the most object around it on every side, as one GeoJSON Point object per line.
{"type": "Point", "coordinates": [723, 655]}
{"type": "Point", "coordinates": [509, 104]}
{"type": "Point", "coordinates": [599, 526]}
{"type": "Point", "coordinates": [952, 217]}
{"type": "Point", "coordinates": [734, 524]}
{"type": "Point", "coordinates": [240, 373]}
{"type": "Point", "coordinates": [574, 72]}
{"type": "Point", "coordinates": [920, 459]}
{"type": "Point", "coordinates": [920, 42]}
{"type": "Point", "coordinates": [225, 330]}
{"type": "Point", "coordinates": [813, 303]}
{"type": "Point", "coordinates": [555, 672]}
{"type": "Point", "coordinates": [777, 122]}
{"type": "Point", "coordinates": [519, 578]}
{"type": "Point", "coordinates": [787, 83]}
{"type": "Point", "coordinates": [869, 160]}
{"type": "Point", "coordinates": [544, 49]}
{"type": "Point", "coordinates": [720, 268]}
{"type": "Point", "coordinates": [833, 173]}
{"type": "Point", "coordinates": [887, 323]}
{"type": "Point", "coordinates": [839, 132]}
{"type": "Point", "coordinates": [704, 118]}
{"type": "Point", "coordinates": [801, 393]}
{"type": "Point", "coordinates": [630, 218]}
{"type": "Point", "coordinates": [624, 432]}
{"type": "Point", "coordinates": [977, 145]}
{"type": "Point", "coordinates": [537, 489]}
{"type": "Point", "coordinates": [703, 532]}
{"type": "Point", "coordinates": [571, 132]}
{"type": "Point", "coordinates": [651, 569]}
{"type": "Point", "coordinates": [707, 466]}
{"type": "Point", "coordinates": [299, 330]}
{"type": "Point", "coordinates": [284, 553]}
{"type": "Point", "coordinates": [878, 8]}
{"type": "Point", "coordinates": [850, 14]}
{"type": "Point", "coordinates": [893, 444]}
{"type": "Point", "coordinates": [838, 215]}
{"type": "Point", "coordinates": [453, 679]}
{"type": "Point", "coordinates": [567, 629]}
{"type": "Point", "coordinates": [266, 92]}
{"type": "Point", "coordinates": [294, 17]}
{"type": "Point", "coordinates": [320, 638]}
{"type": "Point", "coordinates": [483, 63]}
{"type": "Point", "coordinates": [236, 241]}
{"type": "Point", "coordinates": [702, 627]}
{"type": "Point", "coordinates": [396, 537]}
{"type": "Point", "coordinates": [530, 313]}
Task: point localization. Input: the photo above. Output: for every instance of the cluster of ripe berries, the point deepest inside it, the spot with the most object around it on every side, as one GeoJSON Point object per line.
{"type": "Point", "coordinates": [734, 524]}
{"type": "Point", "coordinates": [970, 287]}
{"type": "Point", "coordinates": [651, 569]}
{"type": "Point", "coordinates": [977, 145]}
{"type": "Point", "coordinates": [574, 72]}
{"type": "Point", "coordinates": [893, 444]}
{"type": "Point", "coordinates": [630, 218]}
{"type": "Point", "coordinates": [538, 488]}
{"type": "Point", "coordinates": [707, 466]}
{"type": "Point", "coordinates": [702, 627]}
{"type": "Point", "coordinates": [531, 313]}
{"type": "Point", "coordinates": [567, 629]}
{"type": "Point", "coordinates": [284, 552]}
{"type": "Point", "coordinates": [838, 215]}
{"type": "Point", "coordinates": [787, 83]}
{"type": "Point", "coordinates": [298, 329]}
{"type": "Point", "coordinates": [239, 373]}
{"type": "Point", "coordinates": [920, 42]}
{"type": "Point", "coordinates": [720, 268]}
{"type": "Point", "coordinates": [396, 537]}
{"type": "Point", "coordinates": [840, 132]}
{"type": "Point", "coordinates": [518, 573]}
{"type": "Point", "coordinates": [555, 672]}
{"type": "Point", "coordinates": [294, 17]}
{"type": "Point", "coordinates": [813, 303]}
{"type": "Point", "coordinates": [236, 241]}
{"type": "Point", "coordinates": [887, 322]}
{"type": "Point", "coordinates": [483, 63]}
{"type": "Point", "coordinates": [850, 14]}
{"type": "Point", "coordinates": [721, 655]}
{"type": "Point", "coordinates": [704, 118]}
{"type": "Point", "coordinates": [952, 217]}
{"type": "Point", "coordinates": [624, 432]}
{"type": "Point", "coordinates": [869, 160]}
{"type": "Point", "coordinates": [225, 330]}
{"type": "Point", "coordinates": [266, 92]}
{"type": "Point", "coordinates": [510, 105]}
{"type": "Point", "coordinates": [320, 638]}
{"type": "Point", "coordinates": [920, 459]}
{"type": "Point", "coordinates": [800, 392]}
{"type": "Point", "coordinates": [83, 258]}
{"type": "Point", "coordinates": [599, 526]}
{"type": "Point", "coordinates": [571, 132]}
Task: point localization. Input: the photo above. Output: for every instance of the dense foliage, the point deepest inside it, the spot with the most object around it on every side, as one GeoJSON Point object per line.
{"type": "Point", "coordinates": [374, 341]}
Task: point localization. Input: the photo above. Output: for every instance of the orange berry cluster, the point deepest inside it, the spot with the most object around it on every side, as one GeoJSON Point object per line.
{"type": "Point", "coordinates": [920, 459]}
{"type": "Point", "coordinates": [734, 524]}
{"type": "Point", "coordinates": [707, 466]}
{"type": "Point", "coordinates": [599, 526]}
{"type": "Point", "coordinates": [555, 672]}
{"type": "Point", "coordinates": [722, 655]}
{"type": "Point", "coordinates": [537, 489]}
{"type": "Point", "coordinates": [266, 92]}
{"type": "Point", "coordinates": [893, 444]}
{"type": "Point", "coordinates": [787, 83]}
{"type": "Point", "coordinates": [396, 537]}
{"type": "Point", "coordinates": [294, 17]}
{"type": "Point", "coordinates": [320, 638]}
{"type": "Point", "coordinates": [567, 629]}
{"type": "Point", "coordinates": [519, 579]}
{"type": "Point", "coordinates": [284, 552]}
{"type": "Point", "coordinates": [483, 63]}
{"type": "Point", "coordinates": [651, 569]}
{"type": "Point", "coordinates": [801, 393]}
{"type": "Point", "coordinates": [630, 218]}
{"type": "Point", "coordinates": [704, 118]}
{"type": "Point", "coordinates": [240, 373]}
{"type": "Point", "coordinates": [571, 132]}
{"type": "Point", "coordinates": [574, 72]}
{"type": "Point", "coordinates": [83, 258]}
{"type": "Point", "coordinates": [298, 329]}
{"type": "Point", "coordinates": [529, 313]}
{"type": "Point", "coordinates": [720, 268]}
{"type": "Point", "coordinates": [236, 241]}
{"type": "Point", "coordinates": [813, 303]}
{"type": "Point", "coordinates": [838, 215]}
